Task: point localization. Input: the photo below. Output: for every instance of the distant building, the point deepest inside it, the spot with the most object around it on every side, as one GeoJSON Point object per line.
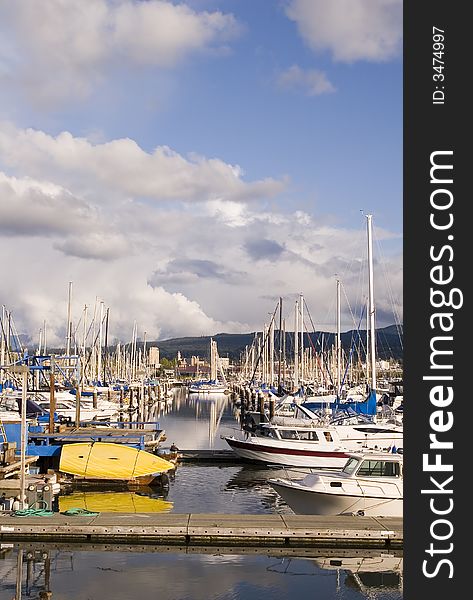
{"type": "Point", "coordinates": [196, 361]}
{"type": "Point", "coordinates": [153, 357]}
{"type": "Point", "coordinates": [225, 362]}
{"type": "Point", "coordinates": [193, 371]}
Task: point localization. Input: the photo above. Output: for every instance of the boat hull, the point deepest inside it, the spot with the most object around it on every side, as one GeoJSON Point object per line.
{"type": "Point", "coordinates": [291, 457]}
{"type": "Point", "coordinates": [115, 462]}
{"type": "Point", "coordinates": [311, 502]}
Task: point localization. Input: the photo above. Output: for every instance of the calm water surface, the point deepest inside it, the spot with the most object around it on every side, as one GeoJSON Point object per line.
{"type": "Point", "coordinates": [203, 574]}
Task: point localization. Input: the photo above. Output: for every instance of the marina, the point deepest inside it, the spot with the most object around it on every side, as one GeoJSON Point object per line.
{"type": "Point", "coordinates": [262, 453]}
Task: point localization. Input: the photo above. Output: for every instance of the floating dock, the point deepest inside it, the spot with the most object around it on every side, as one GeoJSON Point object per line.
{"type": "Point", "coordinates": [274, 531]}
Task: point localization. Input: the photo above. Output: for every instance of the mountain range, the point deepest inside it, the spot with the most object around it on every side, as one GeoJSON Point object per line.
{"type": "Point", "coordinates": [389, 343]}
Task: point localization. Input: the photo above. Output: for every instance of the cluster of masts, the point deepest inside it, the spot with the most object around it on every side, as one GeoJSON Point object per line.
{"type": "Point", "coordinates": [87, 357]}
{"type": "Point", "coordinates": [267, 359]}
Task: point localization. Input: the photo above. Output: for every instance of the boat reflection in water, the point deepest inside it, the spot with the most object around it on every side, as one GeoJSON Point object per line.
{"type": "Point", "coordinates": [122, 502]}
{"type": "Point", "coordinates": [121, 572]}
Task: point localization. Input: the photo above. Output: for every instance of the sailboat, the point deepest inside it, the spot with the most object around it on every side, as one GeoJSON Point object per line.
{"type": "Point", "coordinates": [213, 385]}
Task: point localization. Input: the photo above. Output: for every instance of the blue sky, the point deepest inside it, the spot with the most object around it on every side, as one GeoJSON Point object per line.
{"type": "Point", "coordinates": [146, 145]}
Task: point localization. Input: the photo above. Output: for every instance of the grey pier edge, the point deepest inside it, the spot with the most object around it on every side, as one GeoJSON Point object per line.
{"type": "Point", "coordinates": [270, 531]}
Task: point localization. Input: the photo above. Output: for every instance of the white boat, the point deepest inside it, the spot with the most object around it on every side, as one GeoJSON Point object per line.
{"type": "Point", "coordinates": [207, 387]}
{"type": "Point", "coordinates": [311, 442]}
{"type": "Point", "coordinates": [303, 443]}
{"type": "Point", "coordinates": [370, 484]}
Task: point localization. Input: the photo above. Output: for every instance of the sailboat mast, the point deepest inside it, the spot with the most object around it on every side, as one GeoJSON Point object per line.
{"type": "Point", "coordinates": [99, 352]}
{"type": "Point", "coordinates": [69, 324]}
{"type": "Point", "coordinates": [339, 345]}
{"type": "Point", "coordinates": [2, 344]}
{"type": "Point", "coordinates": [280, 345]}
{"type": "Point", "coordinates": [301, 321]}
{"type": "Point", "coordinates": [371, 309]}
{"type": "Point", "coordinates": [296, 346]}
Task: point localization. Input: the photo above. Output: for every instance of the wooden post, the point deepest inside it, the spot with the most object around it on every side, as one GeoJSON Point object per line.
{"type": "Point", "coordinates": [253, 401]}
{"type": "Point", "coordinates": [130, 409]}
{"type": "Point", "coordinates": [120, 412]}
{"type": "Point", "coordinates": [271, 408]}
{"type": "Point", "coordinates": [140, 405]}
{"type": "Point", "coordinates": [94, 399]}
{"type": "Point", "coordinates": [261, 403]}
{"type": "Point", "coordinates": [77, 406]}
{"type": "Point", "coordinates": [242, 408]}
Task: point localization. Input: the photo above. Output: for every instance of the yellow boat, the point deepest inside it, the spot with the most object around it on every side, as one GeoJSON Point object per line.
{"type": "Point", "coordinates": [123, 502]}
{"type": "Point", "coordinates": [111, 462]}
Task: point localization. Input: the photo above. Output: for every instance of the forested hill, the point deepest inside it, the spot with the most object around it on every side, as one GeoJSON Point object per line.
{"type": "Point", "coordinates": [389, 343]}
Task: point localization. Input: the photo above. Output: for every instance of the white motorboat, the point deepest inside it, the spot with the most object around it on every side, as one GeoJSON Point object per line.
{"type": "Point", "coordinates": [370, 484]}
{"type": "Point", "coordinates": [311, 442]}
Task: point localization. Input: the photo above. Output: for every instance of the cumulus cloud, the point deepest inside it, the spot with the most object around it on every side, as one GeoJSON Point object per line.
{"type": "Point", "coordinates": [176, 268]}
{"type": "Point", "coordinates": [191, 273]}
{"type": "Point", "coordinates": [188, 271]}
{"type": "Point", "coordinates": [78, 41]}
{"type": "Point", "coordinates": [30, 207]}
{"type": "Point", "coordinates": [350, 30]}
{"type": "Point", "coordinates": [311, 81]}
{"type": "Point", "coordinates": [262, 249]}
{"type": "Point", "coordinates": [123, 166]}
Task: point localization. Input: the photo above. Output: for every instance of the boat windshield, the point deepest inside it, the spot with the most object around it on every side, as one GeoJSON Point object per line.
{"type": "Point", "coordinates": [350, 466]}
{"type": "Point", "coordinates": [379, 468]}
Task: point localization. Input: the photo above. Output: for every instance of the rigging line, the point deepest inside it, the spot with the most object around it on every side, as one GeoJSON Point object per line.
{"type": "Point", "coordinates": [324, 366]}
{"type": "Point", "coordinates": [398, 321]}
{"type": "Point", "coordinates": [351, 352]}
{"type": "Point", "coordinates": [264, 343]}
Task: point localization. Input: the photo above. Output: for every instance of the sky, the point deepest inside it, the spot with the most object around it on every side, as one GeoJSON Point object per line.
{"type": "Point", "coordinates": [188, 163]}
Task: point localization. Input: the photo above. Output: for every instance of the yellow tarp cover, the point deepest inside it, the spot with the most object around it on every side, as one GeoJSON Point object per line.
{"type": "Point", "coordinates": [124, 502]}
{"type": "Point", "coordinates": [104, 460]}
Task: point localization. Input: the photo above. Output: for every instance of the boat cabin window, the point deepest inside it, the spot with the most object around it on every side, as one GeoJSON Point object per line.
{"type": "Point", "coordinates": [303, 435]}
{"type": "Point", "coordinates": [265, 432]}
{"type": "Point", "coordinates": [288, 434]}
{"type": "Point", "coordinates": [328, 436]}
{"type": "Point", "coordinates": [379, 468]}
{"type": "Point", "coordinates": [308, 436]}
{"type": "Point", "coordinates": [350, 466]}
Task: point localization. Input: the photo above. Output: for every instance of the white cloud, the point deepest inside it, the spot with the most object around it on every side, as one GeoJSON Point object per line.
{"type": "Point", "coordinates": [350, 29]}
{"type": "Point", "coordinates": [310, 81]}
{"type": "Point", "coordinates": [176, 268]}
{"type": "Point", "coordinates": [190, 273]}
{"type": "Point", "coordinates": [30, 207]}
{"type": "Point", "coordinates": [123, 166]}
{"type": "Point", "coordinates": [60, 49]}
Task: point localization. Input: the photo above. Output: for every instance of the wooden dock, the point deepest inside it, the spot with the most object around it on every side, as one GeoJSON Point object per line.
{"type": "Point", "coordinates": [274, 531]}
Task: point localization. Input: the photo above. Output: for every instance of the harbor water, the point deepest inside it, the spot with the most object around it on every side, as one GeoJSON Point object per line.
{"type": "Point", "coordinates": [68, 573]}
